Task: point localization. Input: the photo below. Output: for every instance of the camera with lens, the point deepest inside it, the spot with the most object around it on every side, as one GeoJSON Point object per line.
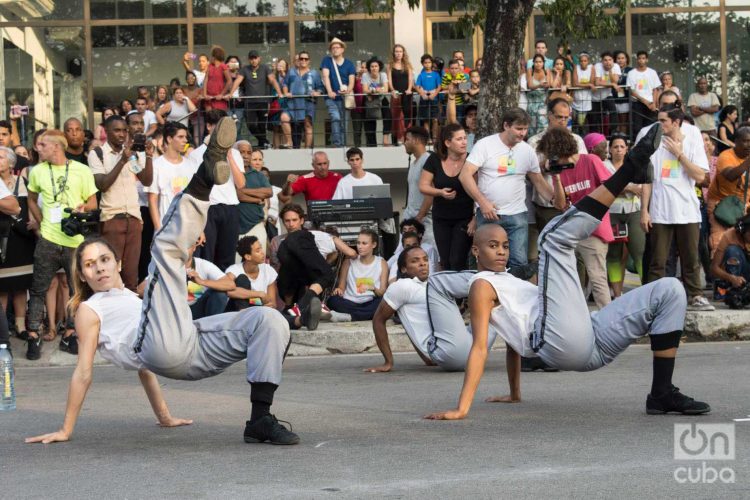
{"type": "Point", "coordinates": [738, 298]}
{"type": "Point", "coordinates": [84, 223]}
{"type": "Point", "coordinates": [139, 143]}
{"type": "Point", "coordinates": [555, 167]}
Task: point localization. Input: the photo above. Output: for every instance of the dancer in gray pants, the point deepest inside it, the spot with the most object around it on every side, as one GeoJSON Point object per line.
{"type": "Point", "coordinates": [558, 326]}
{"type": "Point", "coordinates": [158, 334]}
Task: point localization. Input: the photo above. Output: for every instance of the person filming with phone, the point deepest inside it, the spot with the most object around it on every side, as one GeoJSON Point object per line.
{"type": "Point", "coordinates": [117, 166]}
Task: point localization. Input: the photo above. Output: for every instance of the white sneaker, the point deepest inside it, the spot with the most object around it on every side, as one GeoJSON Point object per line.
{"type": "Point", "coordinates": [700, 303]}
{"type": "Point", "coordinates": [337, 317]}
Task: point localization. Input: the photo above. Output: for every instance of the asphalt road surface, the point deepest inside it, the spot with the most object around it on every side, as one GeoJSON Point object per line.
{"type": "Point", "coordinates": [574, 434]}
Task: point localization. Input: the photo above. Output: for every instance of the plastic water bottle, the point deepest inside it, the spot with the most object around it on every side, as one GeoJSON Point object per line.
{"type": "Point", "coordinates": [8, 399]}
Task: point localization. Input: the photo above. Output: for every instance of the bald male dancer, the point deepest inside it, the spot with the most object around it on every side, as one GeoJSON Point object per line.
{"type": "Point", "coordinates": [552, 321]}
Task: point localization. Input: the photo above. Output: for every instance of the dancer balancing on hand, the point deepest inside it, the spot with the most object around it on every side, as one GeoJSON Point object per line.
{"type": "Point", "coordinates": [158, 335]}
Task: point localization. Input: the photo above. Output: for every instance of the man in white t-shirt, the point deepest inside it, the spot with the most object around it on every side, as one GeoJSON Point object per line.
{"type": "Point", "coordinates": [502, 163]}
{"type": "Point", "coordinates": [172, 172]}
{"type": "Point", "coordinates": [602, 101]}
{"type": "Point", "coordinates": [207, 287]}
{"type": "Point", "coordinates": [670, 210]}
{"type": "Point", "coordinates": [643, 82]}
{"type": "Point", "coordinates": [149, 117]}
{"type": "Point", "coordinates": [223, 224]}
{"type": "Point", "coordinates": [702, 105]}
{"type": "Point", "coordinates": [357, 177]}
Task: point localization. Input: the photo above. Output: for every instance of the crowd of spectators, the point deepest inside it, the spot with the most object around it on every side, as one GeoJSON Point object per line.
{"type": "Point", "coordinates": [258, 249]}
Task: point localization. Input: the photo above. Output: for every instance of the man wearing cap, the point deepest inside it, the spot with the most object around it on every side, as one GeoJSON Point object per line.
{"type": "Point", "coordinates": [338, 78]}
{"type": "Point", "coordinates": [255, 79]}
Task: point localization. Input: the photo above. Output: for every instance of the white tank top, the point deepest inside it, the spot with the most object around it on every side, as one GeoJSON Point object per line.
{"type": "Point", "coordinates": [362, 279]}
{"type": "Point", "coordinates": [178, 112]}
{"type": "Point", "coordinates": [514, 318]}
{"type": "Point", "coordinates": [119, 312]}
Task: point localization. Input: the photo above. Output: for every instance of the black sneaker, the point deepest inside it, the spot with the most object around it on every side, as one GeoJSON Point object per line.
{"type": "Point", "coordinates": [533, 364]}
{"type": "Point", "coordinates": [69, 344]}
{"type": "Point", "coordinates": [24, 335]}
{"type": "Point", "coordinates": [34, 348]}
{"type": "Point", "coordinates": [310, 310]}
{"type": "Point", "coordinates": [269, 429]}
{"type": "Point", "coordinates": [675, 402]}
{"type": "Point", "coordinates": [215, 158]}
{"type": "Point", "coordinates": [640, 155]}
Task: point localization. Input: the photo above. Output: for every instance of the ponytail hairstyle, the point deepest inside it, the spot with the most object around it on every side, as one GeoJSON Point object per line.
{"type": "Point", "coordinates": [446, 134]}
{"type": "Point", "coordinates": [81, 289]}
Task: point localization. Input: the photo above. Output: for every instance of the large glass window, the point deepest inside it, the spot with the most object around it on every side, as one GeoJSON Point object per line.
{"type": "Point", "coordinates": [118, 70]}
{"type": "Point", "coordinates": [543, 31]}
{"type": "Point", "coordinates": [43, 68]}
{"type": "Point", "coordinates": [311, 7]}
{"type": "Point", "coordinates": [137, 9]}
{"type": "Point", "coordinates": [445, 41]}
{"type": "Point", "coordinates": [28, 10]}
{"type": "Point", "coordinates": [363, 39]}
{"type": "Point", "coordinates": [695, 52]}
{"type": "Point", "coordinates": [738, 61]}
{"type": "Point", "coordinates": [240, 8]}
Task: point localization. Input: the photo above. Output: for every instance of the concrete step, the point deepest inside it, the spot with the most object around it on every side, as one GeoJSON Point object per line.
{"type": "Point", "coordinates": [357, 337]}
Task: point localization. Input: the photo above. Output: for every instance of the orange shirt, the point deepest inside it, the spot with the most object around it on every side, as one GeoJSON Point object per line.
{"type": "Point", "coordinates": [721, 187]}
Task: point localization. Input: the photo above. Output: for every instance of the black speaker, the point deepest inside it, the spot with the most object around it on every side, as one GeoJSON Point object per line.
{"type": "Point", "coordinates": [75, 67]}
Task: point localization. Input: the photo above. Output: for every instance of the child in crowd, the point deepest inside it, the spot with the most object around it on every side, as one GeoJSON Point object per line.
{"type": "Point", "coordinates": [428, 87]}
{"type": "Point", "coordinates": [255, 280]}
{"type": "Point", "coordinates": [362, 282]}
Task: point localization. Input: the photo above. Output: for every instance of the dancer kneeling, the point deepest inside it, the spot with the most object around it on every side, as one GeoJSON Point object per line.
{"type": "Point", "coordinates": [558, 326]}
{"type": "Point", "coordinates": [158, 335]}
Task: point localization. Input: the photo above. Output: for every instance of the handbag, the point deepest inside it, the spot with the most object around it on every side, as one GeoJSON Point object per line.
{"type": "Point", "coordinates": [349, 102]}
{"type": "Point", "coordinates": [19, 224]}
{"type": "Point", "coordinates": [731, 208]}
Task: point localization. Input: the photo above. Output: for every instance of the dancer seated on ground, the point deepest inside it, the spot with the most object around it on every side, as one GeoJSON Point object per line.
{"type": "Point", "coordinates": [158, 336]}
{"type": "Point", "coordinates": [362, 282]}
{"type": "Point", "coordinates": [255, 280]}
{"type": "Point", "coordinates": [558, 327]}
{"type": "Point", "coordinates": [406, 296]}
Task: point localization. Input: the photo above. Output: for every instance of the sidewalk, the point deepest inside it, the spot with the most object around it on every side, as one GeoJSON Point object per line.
{"type": "Point", "coordinates": [354, 338]}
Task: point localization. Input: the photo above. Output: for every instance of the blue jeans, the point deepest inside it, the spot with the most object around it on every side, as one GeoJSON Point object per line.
{"type": "Point", "coordinates": [516, 226]}
{"type": "Point", "coordinates": [211, 303]}
{"type": "Point", "coordinates": [337, 113]}
{"type": "Point", "coordinates": [736, 263]}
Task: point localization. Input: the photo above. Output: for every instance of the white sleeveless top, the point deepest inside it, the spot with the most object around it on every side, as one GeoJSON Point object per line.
{"type": "Point", "coordinates": [514, 318]}
{"type": "Point", "coordinates": [119, 312]}
{"type": "Point", "coordinates": [582, 98]}
{"type": "Point", "coordinates": [361, 280]}
{"type": "Point", "coordinates": [178, 112]}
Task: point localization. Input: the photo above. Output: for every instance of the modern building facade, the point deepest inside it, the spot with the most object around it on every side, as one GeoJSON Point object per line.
{"type": "Point", "coordinates": [70, 57]}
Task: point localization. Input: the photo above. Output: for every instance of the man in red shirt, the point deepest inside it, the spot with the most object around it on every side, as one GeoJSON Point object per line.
{"type": "Point", "coordinates": [320, 184]}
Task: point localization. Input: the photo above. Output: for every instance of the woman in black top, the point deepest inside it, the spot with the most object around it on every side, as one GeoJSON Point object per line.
{"type": "Point", "coordinates": [400, 79]}
{"type": "Point", "coordinates": [727, 126]}
{"type": "Point", "coordinates": [452, 208]}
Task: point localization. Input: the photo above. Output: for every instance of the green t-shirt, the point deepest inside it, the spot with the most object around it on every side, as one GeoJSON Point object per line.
{"type": "Point", "coordinates": [70, 193]}
{"type": "Point", "coordinates": [252, 213]}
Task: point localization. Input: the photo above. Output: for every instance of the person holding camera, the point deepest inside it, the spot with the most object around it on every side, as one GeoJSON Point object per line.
{"type": "Point", "coordinates": [578, 179]}
{"type": "Point", "coordinates": [63, 186]}
{"type": "Point", "coordinates": [731, 260]}
{"type": "Point", "coordinates": [117, 167]}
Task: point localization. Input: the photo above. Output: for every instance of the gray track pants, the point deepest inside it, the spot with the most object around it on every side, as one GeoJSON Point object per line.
{"type": "Point", "coordinates": [566, 335]}
{"type": "Point", "coordinates": [171, 344]}
{"type": "Point", "coordinates": [451, 339]}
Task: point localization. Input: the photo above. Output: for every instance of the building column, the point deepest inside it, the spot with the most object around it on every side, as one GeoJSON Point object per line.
{"type": "Point", "coordinates": [408, 29]}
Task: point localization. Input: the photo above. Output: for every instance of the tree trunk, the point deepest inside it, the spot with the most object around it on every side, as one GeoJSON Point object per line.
{"type": "Point", "coordinates": [504, 33]}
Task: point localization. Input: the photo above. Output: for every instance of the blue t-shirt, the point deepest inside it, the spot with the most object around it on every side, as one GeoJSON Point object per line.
{"type": "Point", "coordinates": [345, 70]}
{"type": "Point", "coordinates": [428, 81]}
